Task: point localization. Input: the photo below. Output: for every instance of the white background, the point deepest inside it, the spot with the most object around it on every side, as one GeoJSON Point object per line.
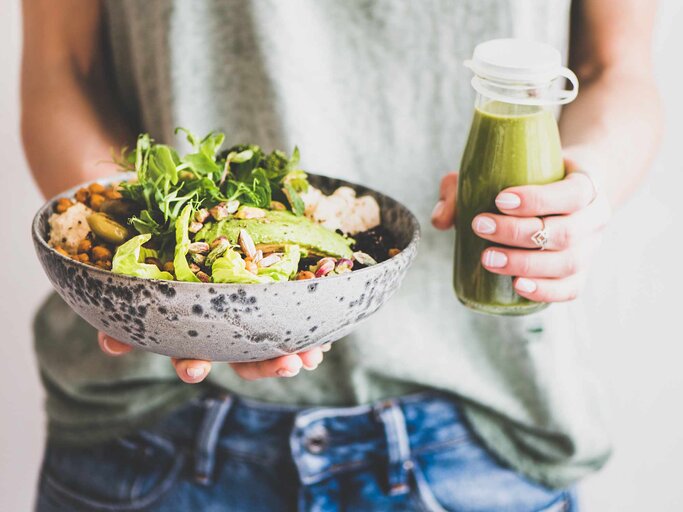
{"type": "Point", "coordinates": [634, 301]}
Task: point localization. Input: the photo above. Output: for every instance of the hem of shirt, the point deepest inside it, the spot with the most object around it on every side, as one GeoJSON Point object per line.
{"type": "Point", "coordinates": [558, 476]}
{"type": "Point", "coordinates": [91, 433]}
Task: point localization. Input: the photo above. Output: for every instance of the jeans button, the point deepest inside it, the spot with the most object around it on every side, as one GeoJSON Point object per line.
{"type": "Point", "coordinates": [316, 440]}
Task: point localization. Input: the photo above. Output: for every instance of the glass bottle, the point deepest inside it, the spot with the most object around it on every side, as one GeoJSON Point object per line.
{"type": "Point", "coordinates": [513, 140]}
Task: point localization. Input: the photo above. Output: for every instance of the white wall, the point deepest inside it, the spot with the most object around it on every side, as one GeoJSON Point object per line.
{"type": "Point", "coordinates": [22, 287]}
{"type": "Point", "coordinates": [634, 302]}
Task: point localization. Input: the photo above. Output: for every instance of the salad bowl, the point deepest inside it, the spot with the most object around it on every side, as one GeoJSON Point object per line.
{"type": "Point", "coordinates": [228, 321]}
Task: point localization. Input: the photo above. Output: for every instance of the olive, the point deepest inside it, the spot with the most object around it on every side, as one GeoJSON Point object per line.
{"type": "Point", "coordinates": [118, 208]}
{"type": "Point", "coordinates": [107, 228]}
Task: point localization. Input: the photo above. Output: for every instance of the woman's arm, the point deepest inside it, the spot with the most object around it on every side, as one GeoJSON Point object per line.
{"type": "Point", "coordinates": [614, 126]}
{"type": "Point", "coordinates": [69, 122]}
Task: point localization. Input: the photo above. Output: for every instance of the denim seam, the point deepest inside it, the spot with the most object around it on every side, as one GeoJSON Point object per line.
{"type": "Point", "coordinates": [205, 445]}
{"type": "Point", "coordinates": [158, 440]}
{"type": "Point", "coordinates": [563, 499]}
{"type": "Point", "coordinates": [423, 492]}
{"type": "Point", "coordinates": [62, 493]}
{"type": "Point", "coordinates": [442, 444]}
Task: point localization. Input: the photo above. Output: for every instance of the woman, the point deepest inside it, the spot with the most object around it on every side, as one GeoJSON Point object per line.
{"type": "Point", "coordinates": [426, 406]}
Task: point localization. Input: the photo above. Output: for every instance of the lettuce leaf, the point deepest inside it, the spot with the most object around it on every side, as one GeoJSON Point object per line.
{"type": "Point", "coordinates": [166, 182]}
{"type": "Point", "coordinates": [182, 240]}
{"type": "Point", "coordinates": [230, 268]}
{"type": "Point", "coordinates": [129, 260]}
{"type": "Point", "coordinates": [286, 268]}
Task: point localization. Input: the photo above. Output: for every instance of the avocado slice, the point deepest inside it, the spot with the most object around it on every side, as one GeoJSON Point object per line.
{"type": "Point", "coordinates": [281, 227]}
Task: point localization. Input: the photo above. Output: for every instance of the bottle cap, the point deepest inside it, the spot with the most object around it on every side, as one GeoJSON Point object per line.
{"type": "Point", "coordinates": [522, 64]}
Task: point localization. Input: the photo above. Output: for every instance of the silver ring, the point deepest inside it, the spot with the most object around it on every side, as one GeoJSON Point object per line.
{"type": "Point", "coordinates": [593, 181]}
{"type": "Point", "coordinates": [541, 237]}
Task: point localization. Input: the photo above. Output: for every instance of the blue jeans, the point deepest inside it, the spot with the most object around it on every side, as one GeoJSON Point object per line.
{"type": "Point", "coordinates": [225, 453]}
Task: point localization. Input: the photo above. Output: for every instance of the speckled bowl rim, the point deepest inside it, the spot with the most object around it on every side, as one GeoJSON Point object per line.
{"type": "Point", "coordinates": [49, 204]}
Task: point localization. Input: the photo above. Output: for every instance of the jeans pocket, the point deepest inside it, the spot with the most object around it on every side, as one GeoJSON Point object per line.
{"type": "Point", "coordinates": [464, 477]}
{"type": "Point", "coordinates": [127, 474]}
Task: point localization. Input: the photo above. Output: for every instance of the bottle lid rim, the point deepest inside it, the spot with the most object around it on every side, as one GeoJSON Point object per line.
{"type": "Point", "coordinates": [516, 61]}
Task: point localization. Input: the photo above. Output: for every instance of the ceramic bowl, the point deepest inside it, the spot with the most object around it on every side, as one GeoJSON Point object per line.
{"type": "Point", "coordinates": [230, 322]}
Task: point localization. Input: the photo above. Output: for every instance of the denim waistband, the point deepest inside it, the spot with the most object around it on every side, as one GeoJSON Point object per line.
{"type": "Point", "coordinates": [322, 441]}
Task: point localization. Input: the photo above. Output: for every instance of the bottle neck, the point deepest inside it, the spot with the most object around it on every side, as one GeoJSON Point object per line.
{"type": "Point", "coordinates": [494, 106]}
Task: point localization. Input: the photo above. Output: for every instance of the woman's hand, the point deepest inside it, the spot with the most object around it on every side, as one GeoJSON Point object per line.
{"type": "Point", "coordinates": [194, 371]}
{"type": "Point", "coordinates": [574, 214]}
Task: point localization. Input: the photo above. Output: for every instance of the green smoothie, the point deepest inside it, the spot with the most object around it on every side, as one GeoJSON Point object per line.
{"type": "Point", "coordinates": [508, 145]}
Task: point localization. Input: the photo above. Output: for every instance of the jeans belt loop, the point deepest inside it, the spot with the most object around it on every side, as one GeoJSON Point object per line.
{"type": "Point", "coordinates": [398, 446]}
{"type": "Point", "coordinates": [207, 437]}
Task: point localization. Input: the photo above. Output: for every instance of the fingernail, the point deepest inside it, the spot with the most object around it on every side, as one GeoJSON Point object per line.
{"type": "Point", "coordinates": [326, 347]}
{"type": "Point", "coordinates": [194, 372]}
{"type": "Point", "coordinates": [495, 259]}
{"type": "Point", "coordinates": [284, 372]}
{"type": "Point", "coordinates": [438, 209]}
{"type": "Point", "coordinates": [484, 225]}
{"type": "Point", "coordinates": [508, 201]}
{"type": "Point", "coordinates": [107, 345]}
{"type": "Point", "coordinates": [525, 285]}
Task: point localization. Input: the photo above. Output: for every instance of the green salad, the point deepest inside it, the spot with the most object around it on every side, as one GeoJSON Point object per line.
{"type": "Point", "coordinates": [232, 216]}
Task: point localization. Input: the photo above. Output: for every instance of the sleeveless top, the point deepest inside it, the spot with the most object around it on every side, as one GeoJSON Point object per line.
{"type": "Point", "coordinates": [372, 91]}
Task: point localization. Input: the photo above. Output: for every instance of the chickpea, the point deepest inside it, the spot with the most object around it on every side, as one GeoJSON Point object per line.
{"type": "Point", "coordinates": [96, 201]}
{"type": "Point", "coordinates": [96, 188]}
{"type": "Point", "coordinates": [63, 205]}
{"type": "Point", "coordinates": [104, 264]}
{"type": "Point", "coordinates": [61, 250]}
{"type": "Point", "coordinates": [393, 252]}
{"type": "Point", "coordinates": [112, 193]}
{"type": "Point", "coordinates": [84, 245]}
{"type": "Point", "coordinates": [169, 267]}
{"type": "Point", "coordinates": [82, 195]}
{"type": "Point", "coordinates": [305, 274]}
{"type": "Point", "coordinates": [100, 253]}
{"type": "Point", "coordinates": [83, 258]}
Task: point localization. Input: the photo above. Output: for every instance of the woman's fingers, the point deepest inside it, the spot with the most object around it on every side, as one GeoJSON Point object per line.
{"type": "Point", "coordinates": [522, 263]}
{"type": "Point", "coordinates": [569, 195]}
{"type": "Point", "coordinates": [111, 346]}
{"type": "Point", "coordinates": [284, 366]}
{"type": "Point", "coordinates": [564, 231]}
{"type": "Point", "coordinates": [549, 290]}
{"type": "Point", "coordinates": [311, 358]}
{"type": "Point", "coordinates": [191, 371]}
{"type": "Point", "coordinates": [443, 215]}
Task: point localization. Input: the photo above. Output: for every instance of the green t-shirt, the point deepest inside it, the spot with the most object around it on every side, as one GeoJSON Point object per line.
{"type": "Point", "coordinates": [372, 91]}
